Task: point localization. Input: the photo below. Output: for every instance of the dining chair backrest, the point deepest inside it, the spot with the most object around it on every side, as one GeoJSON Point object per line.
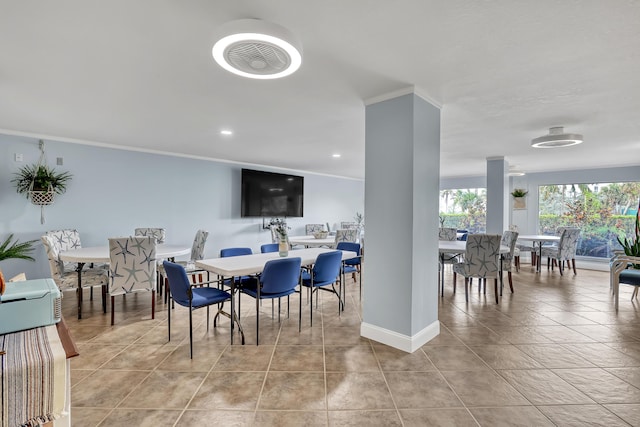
{"type": "Point", "coordinates": [568, 243]}
{"type": "Point", "coordinates": [197, 249]}
{"type": "Point", "coordinates": [55, 265]}
{"type": "Point", "coordinates": [178, 282]}
{"type": "Point", "coordinates": [445, 233]}
{"type": "Point", "coordinates": [509, 239]}
{"type": "Point", "coordinates": [309, 229]}
{"type": "Point", "coordinates": [280, 275]}
{"type": "Point", "coordinates": [348, 225]}
{"type": "Point", "coordinates": [158, 233]}
{"type": "Point", "coordinates": [227, 252]}
{"type": "Point", "coordinates": [66, 239]}
{"type": "Point", "coordinates": [346, 235]}
{"type": "Point", "coordinates": [132, 265]}
{"type": "Point", "coordinates": [482, 255]}
{"type": "Point", "coordinates": [269, 247]}
{"type": "Point", "coordinates": [327, 266]}
{"type": "Point", "coordinates": [351, 247]}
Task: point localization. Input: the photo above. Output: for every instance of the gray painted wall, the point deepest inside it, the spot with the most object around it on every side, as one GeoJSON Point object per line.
{"type": "Point", "coordinates": [114, 191]}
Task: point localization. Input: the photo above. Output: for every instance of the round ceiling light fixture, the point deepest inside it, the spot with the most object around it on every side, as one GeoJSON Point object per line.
{"type": "Point", "coordinates": [516, 172]}
{"type": "Point", "coordinates": [557, 138]}
{"type": "Point", "coordinates": [257, 49]}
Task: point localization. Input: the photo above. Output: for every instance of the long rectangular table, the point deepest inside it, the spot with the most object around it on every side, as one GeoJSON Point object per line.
{"type": "Point", "coordinates": [100, 254]}
{"type": "Point", "coordinates": [246, 265]}
{"type": "Point", "coordinates": [540, 239]}
{"type": "Point", "coordinates": [312, 242]}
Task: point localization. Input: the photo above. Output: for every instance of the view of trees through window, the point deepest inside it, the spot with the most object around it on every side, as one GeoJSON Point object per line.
{"type": "Point", "coordinates": [464, 209]}
{"type": "Point", "coordinates": [603, 211]}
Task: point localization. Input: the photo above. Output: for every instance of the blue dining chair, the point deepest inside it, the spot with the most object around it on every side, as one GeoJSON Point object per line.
{"type": "Point", "coordinates": [229, 252]}
{"type": "Point", "coordinates": [352, 265]}
{"type": "Point", "coordinates": [278, 279]}
{"type": "Point", "coordinates": [269, 247]}
{"type": "Point", "coordinates": [325, 272]}
{"type": "Point", "coordinates": [191, 296]}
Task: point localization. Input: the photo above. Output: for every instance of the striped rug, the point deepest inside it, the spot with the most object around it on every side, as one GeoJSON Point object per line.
{"type": "Point", "coordinates": [32, 374]}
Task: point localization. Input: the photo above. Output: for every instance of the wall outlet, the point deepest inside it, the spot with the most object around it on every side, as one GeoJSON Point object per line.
{"type": "Point", "coordinates": [18, 157]}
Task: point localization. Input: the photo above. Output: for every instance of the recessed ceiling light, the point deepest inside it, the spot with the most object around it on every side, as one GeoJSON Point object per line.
{"type": "Point", "coordinates": [516, 172]}
{"type": "Point", "coordinates": [257, 49]}
{"type": "Point", "coordinates": [556, 138]}
{"type": "Point", "coordinates": [226, 132]}
{"type": "Point", "coordinates": [336, 155]}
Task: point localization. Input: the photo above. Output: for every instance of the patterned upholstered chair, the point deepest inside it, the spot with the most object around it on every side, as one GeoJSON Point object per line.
{"type": "Point", "coordinates": [197, 253]}
{"type": "Point", "coordinates": [348, 225]}
{"type": "Point", "coordinates": [67, 278]}
{"type": "Point", "coordinates": [347, 235]}
{"type": "Point", "coordinates": [566, 249]}
{"type": "Point", "coordinates": [481, 260]}
{"type": "Point", "coordinates": [66, 240]}
{"type": "Point", "coordinates": [132, 268]}
{"type": "Point", "coordinates": [309, 229]}
{"type": "Point", "coordinates": [523, 247]}
{"type": "Point", "coordinates": [158, 233]}
{"type": "Point", "coordinates": [509, 239]}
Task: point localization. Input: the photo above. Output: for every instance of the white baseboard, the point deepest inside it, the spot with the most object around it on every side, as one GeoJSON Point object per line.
{"type": "Point", "coordinates": [400, 341]}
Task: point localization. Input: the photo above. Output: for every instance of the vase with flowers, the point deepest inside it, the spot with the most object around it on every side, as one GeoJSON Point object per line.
{"type": "Point", "coordinates": [281, 230]}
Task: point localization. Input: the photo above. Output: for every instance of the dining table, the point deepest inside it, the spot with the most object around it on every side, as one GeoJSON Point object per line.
{"type": "Point", "coordinates": [247, 265]}
{"type": "Point", "coordinates": [312, 242]}
{"type": "Point", "coordinates": [458, 247]}
{"type": "Point", "coordinates": [100, 254]}
{"type": "Point", "coordinates": [539, 239]}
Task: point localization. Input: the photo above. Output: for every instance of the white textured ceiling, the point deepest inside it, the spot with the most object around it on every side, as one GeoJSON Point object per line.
{"type": "Point", "coordinates": [140, 73]}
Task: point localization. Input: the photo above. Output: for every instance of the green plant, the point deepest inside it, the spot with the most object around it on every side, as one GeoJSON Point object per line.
{"type": "Point", "coordinates": [16, 250]}
{"type": "Point", "coordinates": [632, 246]}
{"type": "Point", "coordinates": [519, 192]}
{"type": "Point", "coordinates": [359, 220]}
{"type": "Point", "coordinates": [43, 177]}
{"type": "Point", "coordinates": [280, 227]}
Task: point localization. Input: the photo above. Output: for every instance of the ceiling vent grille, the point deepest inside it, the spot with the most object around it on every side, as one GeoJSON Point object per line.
{"type": "Point", "coordinates": [257, 57]}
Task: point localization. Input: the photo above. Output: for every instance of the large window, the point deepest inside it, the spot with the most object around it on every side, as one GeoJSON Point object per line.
{"type": "Point", "coordinates": [603, 211]}
{"type": "Point", "coordinates": [464, 209]}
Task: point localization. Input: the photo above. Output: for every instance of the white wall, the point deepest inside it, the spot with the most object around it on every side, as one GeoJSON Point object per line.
{"type": "Point", "coordinates": [114, 191]}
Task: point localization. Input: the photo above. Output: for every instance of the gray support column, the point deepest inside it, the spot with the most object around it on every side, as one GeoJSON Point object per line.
{"type": "Point", "coordinates": [402, 173]}
{"type": "Point", "coordinates": [497, 195]}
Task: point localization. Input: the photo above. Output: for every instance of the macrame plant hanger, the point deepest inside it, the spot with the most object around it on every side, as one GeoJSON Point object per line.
{"type": "Point", "coordinates": [41, 197]}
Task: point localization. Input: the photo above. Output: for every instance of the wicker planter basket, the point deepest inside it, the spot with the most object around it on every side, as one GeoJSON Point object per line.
{"type": "Point", "coordinates": [42, 198]}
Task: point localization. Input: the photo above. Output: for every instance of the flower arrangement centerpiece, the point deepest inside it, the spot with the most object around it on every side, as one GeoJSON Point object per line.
{"type": "Point", "coordinates": [281, 230]}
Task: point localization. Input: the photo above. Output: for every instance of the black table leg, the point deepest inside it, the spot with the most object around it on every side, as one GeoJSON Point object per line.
{"type": "Point", "coordinates": [79, 270]}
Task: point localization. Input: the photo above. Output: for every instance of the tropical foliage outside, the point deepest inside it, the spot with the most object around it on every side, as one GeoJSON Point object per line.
{"type": "Point", "coordinates": [603, 211]}
{"type": "Point", "coordinates": [464, 209]}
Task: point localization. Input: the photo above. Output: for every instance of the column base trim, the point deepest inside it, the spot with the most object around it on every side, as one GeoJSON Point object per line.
{"type": "Point", "coordinates": [400, 341]}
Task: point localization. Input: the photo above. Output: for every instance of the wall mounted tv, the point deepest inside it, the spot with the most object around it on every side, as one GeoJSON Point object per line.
{"type": "Point", "coordinates": [269, 194]}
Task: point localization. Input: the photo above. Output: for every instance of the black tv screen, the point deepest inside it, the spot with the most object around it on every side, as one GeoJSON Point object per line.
{"type": "Point", "coordinates": [269, 194]}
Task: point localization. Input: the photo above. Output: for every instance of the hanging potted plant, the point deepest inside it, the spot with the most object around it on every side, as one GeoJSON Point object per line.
{"type": "Point", "coordinates": [519, 201]}
{"type": "Point", "coordinates": [40, 183]}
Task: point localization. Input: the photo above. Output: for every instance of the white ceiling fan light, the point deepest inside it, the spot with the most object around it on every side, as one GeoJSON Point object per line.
{"type": "Point", "coordinates": [257, 49]}
{"type": "Point", "coordinates": [516, 172]}
{"type": "Point", "coordinates": [557, 138]}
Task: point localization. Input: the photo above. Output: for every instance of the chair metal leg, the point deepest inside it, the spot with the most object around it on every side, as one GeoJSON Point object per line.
{"type": "Point", "coordinates": [208, 318]}
{"type": "Point", "coordinates": [258, 319]}
{"type": "Point", "coordinates": [91, 294]}
{"type": "Point", "coordinates": [190, 331]}
{"type": "Point", "coordinates": [634, 294]}
{"type": "Point", "coordinates": [169, 323]}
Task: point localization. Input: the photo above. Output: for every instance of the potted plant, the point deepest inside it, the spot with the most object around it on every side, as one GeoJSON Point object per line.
{"type": "Point", "coordinates": [631, 247]}
{"type": "Point", "coordinates": [519, 201]}
{"type": "Point", "coordinates": [280, 228]}
{"type": "Point", "coordinates": [40, 183]}
{"type": "Point", "coordinates": [14, 250]}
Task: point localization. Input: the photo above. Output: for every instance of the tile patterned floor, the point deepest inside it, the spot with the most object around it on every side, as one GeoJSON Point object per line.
{"type": "Point", "coordinates": [553, 353]}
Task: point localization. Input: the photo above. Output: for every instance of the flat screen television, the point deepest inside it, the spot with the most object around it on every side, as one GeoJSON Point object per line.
{"type": "Point", "coordinates": [269, 194]}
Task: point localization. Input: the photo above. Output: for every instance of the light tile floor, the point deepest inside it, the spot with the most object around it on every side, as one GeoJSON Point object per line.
{"type": "Point", "coordinates": [553, 353]}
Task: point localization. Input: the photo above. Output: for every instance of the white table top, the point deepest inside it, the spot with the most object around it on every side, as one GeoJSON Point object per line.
{"type": "Point", "coordinates": [459, 246]}
{"type": "Point", "coordinates": [539, 237]}
{"type": "Point", "coordinates": [311, 241]}
{"type": "Point", "coordinates": [251, 264]}
{"type": "Point", "coordinates": [101, 253]}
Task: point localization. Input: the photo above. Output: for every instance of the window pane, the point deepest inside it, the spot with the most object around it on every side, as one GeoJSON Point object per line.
{"type": "Point", "coordinates": [464, 209]}
{"type": "Point", "coordinates": [603, 211]}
